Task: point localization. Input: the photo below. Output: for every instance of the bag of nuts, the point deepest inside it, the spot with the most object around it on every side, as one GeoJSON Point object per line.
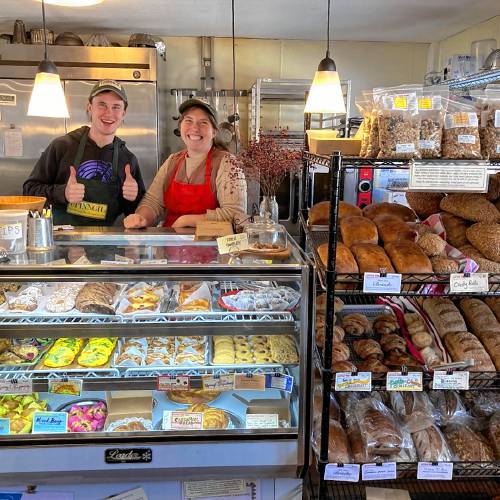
{"type": "Point", "coordinates": [398, 122]}
{"type": "Point", "coordinates": [491, 123]}
{"type": "Point", "coordinates": [432, 110]}
{"type": "Point", "coordinates": [373, 148]}
{"type": "Point", "coordinates": [461, 131]}
{"type": "Point", "coordinates": [365, 107]}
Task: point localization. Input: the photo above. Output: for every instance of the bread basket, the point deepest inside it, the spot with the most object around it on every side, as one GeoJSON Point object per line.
{"type": "Point", "coordinates": [22, 202]}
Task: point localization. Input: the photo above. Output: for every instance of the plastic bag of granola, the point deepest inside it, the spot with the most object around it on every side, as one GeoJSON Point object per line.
{"type": "Point", "coordinates": [365, 107]}
{"type": "Point", "coordinates": [491, 122]}
{"type": "Point", "coordinates": [398, 122]}
{"type": "Point", "coordinates": [432, 110]}
{"type": "Point", "coordinates": [461, 130]}
{"type": "Point", "coordinates": [479, 99]}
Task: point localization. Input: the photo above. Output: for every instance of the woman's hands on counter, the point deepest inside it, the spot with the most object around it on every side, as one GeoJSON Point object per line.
{"type": "Point", "coordinates": [189, 220]}
{"type": "Point", "coordinates": [135, 221]}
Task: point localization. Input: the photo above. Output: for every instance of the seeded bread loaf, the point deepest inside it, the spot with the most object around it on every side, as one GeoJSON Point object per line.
{"type": "Point", "coordinates": [444, 315]}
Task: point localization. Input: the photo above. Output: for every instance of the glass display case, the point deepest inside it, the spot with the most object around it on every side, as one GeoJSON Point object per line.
{"type": "Point", "coordinates": [147, 354]}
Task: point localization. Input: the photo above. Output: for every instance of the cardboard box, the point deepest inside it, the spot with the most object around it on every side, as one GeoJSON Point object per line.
{"type": "Point", "coordinates": [323, 146]}
{"type": "Point", "coordinates": [126, 404]}
{"type": "Point", "coordinates": [281, 407]}
{"type": "Point", "coordinates": [210, 230]}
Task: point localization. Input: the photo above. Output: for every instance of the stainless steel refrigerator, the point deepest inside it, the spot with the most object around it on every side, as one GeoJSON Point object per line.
{"type": "Point", "coordinates": [23, 138]}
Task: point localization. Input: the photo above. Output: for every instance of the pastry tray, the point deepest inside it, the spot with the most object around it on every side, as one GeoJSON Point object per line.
{"type": "Point", "coordinates": [29, 365]}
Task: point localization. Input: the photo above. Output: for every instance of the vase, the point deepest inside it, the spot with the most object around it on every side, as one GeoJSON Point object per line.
{"type": "Point", "coordinates": [269, 208]}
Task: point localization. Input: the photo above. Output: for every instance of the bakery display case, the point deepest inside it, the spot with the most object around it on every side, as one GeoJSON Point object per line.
{"type": "Point", "coordinates": [436, 342]}
{"type": "Point", "coordinates": [147, 354]}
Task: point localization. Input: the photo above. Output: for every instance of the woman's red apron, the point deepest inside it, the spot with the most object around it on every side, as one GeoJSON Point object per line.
{"type": "Point", "coordinates": [181, 198]}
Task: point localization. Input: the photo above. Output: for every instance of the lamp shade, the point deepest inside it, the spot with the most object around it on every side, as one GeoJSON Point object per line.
{"type": "Point", "coordinates": [325, 95]}
{"type": "Point", "coordinates": [47, 97]}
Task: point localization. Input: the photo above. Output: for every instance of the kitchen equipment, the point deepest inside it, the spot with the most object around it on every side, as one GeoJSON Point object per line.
{"type": "Point", "coordinates": [479, 51]}
{"type": "Point", "coordinates": [141, 40]}
{"type": "Point", "coordinates": [19, 32]}
{"type": "Point", "coordinates": [40, 233]}
{"type": "Point", "coordinates": [493, 60]}
{"type": "Point", "coordinates": [22, 202]}
{"type": "Point", "coordinates": [68, 38]}
{"type": "Point", "coordinates": [36, 35]}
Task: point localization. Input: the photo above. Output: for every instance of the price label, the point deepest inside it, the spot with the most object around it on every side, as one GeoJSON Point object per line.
{"type": "Point", "coordinates": [232, 243]}
{"type": "Point", "coordinates": [342, 472]}
{"type": "Point", "coordinates": [58, 262]}
{"type": "Point", "coordinates": [243, 382]}
{"type": "Point", "coordinates": [215, 488]}
{"type": "Point", "coordinates": [448, 177]}
{"type": "Point", "coordinates": [278, 381]}
{"type": "Point", "coordinates": [49, 422]}
{"type": "Point", "coordinates": [82, 261]}
{"type": "Point", "coordinates": [361, 381]}
{"type": "Point", "coordinates": [412, 381]}
{"type": "Point", "coordinates": [435, 470]}
{"type": "Point", "coordinates": [122, 258]}
{"type": "Point", "coordinates": [401, 102]}
{"type": "Point", "coordinates": [466, 139]}
{"type": "Point", "coordinates": [464, 119]}
{"type": "Point", "coordinates": [154, 261]}
{"type": "Point", "coordinates": [182, 421]}
{"type": "Point", "coordinates": [111, 263]}
{"type": "Point", "coordinates": [221, 383]}
{"type": "Point", "coordinates": [4, 426]}
{"type": "Point", "coordinates": [168, 383]}
{"type": "Point", "coordinates": [16, 386]}
{"type": "Point", "coordinates": [408, 147]}
{"type": "Point", "coordinates": [374, 283]}
{"type": "Point", "coordinates": [497, 118]}
{"type": "Point", "coordinates": [476, 282]}
{"type": "Point", "coordinates": [262, 421]}
{"type": "Point", "coordinates": [454, 381]}
{"type": "Point", "coordinates": [374, 472]}
{"type": "Point", "coordinates": [71, 387]}
{"type": "Point", "coordinates": [425, 103]}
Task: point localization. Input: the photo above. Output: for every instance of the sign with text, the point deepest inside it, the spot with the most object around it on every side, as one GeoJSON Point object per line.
{"type": "Point", "coordinates": [454, 381]}
{"type": "Point", "coordinates": [182, 421]}
{"type": "Point", "coordinates": [435, 470]}
{"type": "Point", "coordinates": [219, 383]}
{"type": "Point", "coordinates": [245, 382]}
{"type": "Point", "coordinates": [173, 383]}
{"type": "Point", "coordinates": [50, 422]}
{"type": "Point", "coordinates": [16, 386]}
{"type": "Point", "coordinates": [377, 472]}
{"type": "Point", "coordinates": [375, 283]}
{"type": "Point", "coordinates": [361, 381]}
{"type": "Point", "coordinates": [279, 381]}
{"type": "Point", "coordinates": [475, 282]}
{"type": "Point", "coordinates": [262, 421]}
{"type": "Point", "coordinates": [233, 243]}
{"type": "Point", "coordinates": [342, 472]}
{"type": "Point", "coordinates": [448, 177]}
{"type": "Point", "coordinates": [411, 381]}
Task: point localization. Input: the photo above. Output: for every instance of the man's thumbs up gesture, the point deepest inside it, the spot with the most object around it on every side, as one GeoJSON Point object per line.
{"type": "Point", "coordinates": [130, 187]}
{"type": "Point", "coordinates": [74, 191]}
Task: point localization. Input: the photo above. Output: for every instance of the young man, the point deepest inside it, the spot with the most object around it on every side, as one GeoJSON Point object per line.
{"type": "Point", "coordinates": [88, 175]}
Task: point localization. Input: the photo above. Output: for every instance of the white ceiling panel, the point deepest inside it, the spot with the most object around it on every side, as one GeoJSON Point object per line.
{"type": "Point", "coordinates": [360, 20]}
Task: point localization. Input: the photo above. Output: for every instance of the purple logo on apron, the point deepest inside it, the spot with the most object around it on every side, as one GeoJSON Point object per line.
{"type": "Point", "coordinates": [95, 169]}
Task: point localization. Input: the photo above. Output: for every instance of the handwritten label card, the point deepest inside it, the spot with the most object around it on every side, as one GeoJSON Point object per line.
{"type": "Point", "coordinates": [475, 282]}
{"type": "Point", "coordinates": [374, 283]}
{"type": "Point", "coordinates": [173, 383]}
{"type": "Point", "coordinates": [262, 421]}
{"type": "Point", "coordinates": [412, 381]}
{"type": "Point", "coordinates": [243, 382]}
{"type": "Point", "coordinates": [16, 386]}
{"type": "Point", "coordinates": [182, 421]}
{"type": "Point", "coordinates": [375, 472]}
{"type": "Point", "coordinates": [232, 243]}
{"type": "Point", "coordinates": [342, 472]}
{"type": "Point", "coordinates": [454, 381]}
{"type": "Point", "coordinates": [49, 422]}
{"type": "Point", "coordinates": [435, 471]}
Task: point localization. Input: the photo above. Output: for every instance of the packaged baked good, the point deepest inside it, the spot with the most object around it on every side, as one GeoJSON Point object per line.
{"type": "Point", "coordinates": [486, 238]}
{"type": "Point", "coordinates": [470, 206]}
{"type": "Point", "coordinates": [130, 424]}
{"type": "Point", "coordinates": [414, 409]}
{"type": "Point", "coordinates": [468, 445]}
{"type": "Point", "coordinates": [450, 407]}
{"type": "Point", "coordinates": [373, 147]}
{"type": "Point", "coordinates": [461, 131]}
{"type": "Point", "coordinates": [398, 121]}
{"type": "Point", "coordinates": [491, 125]}
{"type": "Point", "coordinates": [194, 296]}
{"type": "Point", "coordinates": [364, 106]}
{"type": "Point", "coordinates": [431, 445]}
{"type": "Point", "coordinates": [432, 110]}
{"type": "Point", "coordinates": [494, 433]}
{"type": "Point", "coordinates": [484, 403]}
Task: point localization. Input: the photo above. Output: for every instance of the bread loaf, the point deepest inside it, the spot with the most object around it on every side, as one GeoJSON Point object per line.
{"type": "Point", "coordinates": [371, 258]}
{"type": "Point", "coordinates": [432, 244]}
{"type": "Point", "coordinates": [455, 228]}
{"type": "Point", "coordinates": [494, 433]}
{"type": "Point", "coordinates": [444, 315]}
{"type": "Point", "coordinates": [479, 317]}
{"type": "Point", "coordinates": [470, 206]}
{"type": "Point", "coordinates": [493, 193]}
{"type": "Point", "coordinates": [464, 346]}
{"type": "Point", "coordinates": [357, 229]}
{"type": "Point", "coordinates": [444, 265]}
{"type": "Point", "coordinates": [338, 444]}
{"type": "Point", "coordinates": [486, 238]}
{"type": "Point", "coordinates": [319, 213]}
{"type": "Point", "coordinates": [414, 409]}
{"type": "Point", "coordinates": [344, 260]}
{"type": "Point", "coordinates": [485, 265]}
{"type": "Point", "coordinates": [392, 228]}
{"type": "Point", "coordinates": [491, 342]}
{"type": "Point", "coordinates": [374, 209]}
{"type": "Point", "coordinates": [407, 257]}
{"type": "Point", "coordinates": [424, 204]}
{"type": "Point", "coordinates": [468, 445]}
{"type": "Point", "coordinates": [494, 304]}
{"type": "Point", "coordinates": [431, 445]}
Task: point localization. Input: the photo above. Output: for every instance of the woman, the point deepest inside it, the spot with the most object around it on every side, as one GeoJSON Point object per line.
{"type": "Point", "coordinates": [89, 175]}
{"type": "Point", "coordinates": [195, 184]}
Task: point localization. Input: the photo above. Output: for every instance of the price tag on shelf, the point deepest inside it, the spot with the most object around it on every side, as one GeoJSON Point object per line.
{"type": "Point", "coordinates": [182, 421]}
{"type": "Point", "coordinates": [16, 386]}
{"type": "Point", "coordinates": [232, 243]}
{"type": "Point", "coordinates": [82, 261]}
{"type": "Point", "coordinates": [361, 381]}
{"type": "Point", "coordinates": [58, 262]}
{"type": "Point", "coordinates": [475, 282]}
{"type": "Point", "coordinates": [375, 283]}
{"type": "Point", "coordinates": [173, 383]}
{"type": "Point", "coordinates": [154, 261]}
{"type": "Point", "coordinates": [342, 472]}
{"type": "Point", "coordinates": [435, 470]}
{"type": "Point", "coordinates": [374, 472]}
{"type": "Point", "coordinates": [50, 422]}
{"type": "Point", "coordinates": [112, 263]}
{"type": "Point", "coordinates": [279, 381]}
{"type": "Point", "coordinates": [411, 381]}
{"type": "Point", "coordinates": [4, 426]}
{"type": "Point", "coordinates": [224, 488]}
{"type": "Point", "coordinates": [455, 381]}
{"type": "Point", "coordinates": [122, 258]}
{"type": "Point", "coordinates": [72, 387]}
{"type": "Point", "coordinates": [249, 382]}
{"type": "Point", "coordinates": [262, 421]}
{"type": "Point", "coordinates": [448, 177]}
{"type": "Point", "coordinates": [220, 383]}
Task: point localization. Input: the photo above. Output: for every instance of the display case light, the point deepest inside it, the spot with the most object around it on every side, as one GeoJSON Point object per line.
{"type": "Point", "coordinates": [73, 3]}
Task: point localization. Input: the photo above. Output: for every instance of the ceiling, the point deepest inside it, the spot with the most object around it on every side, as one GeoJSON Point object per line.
{"type": "Point", "coordinates": [369, 20]}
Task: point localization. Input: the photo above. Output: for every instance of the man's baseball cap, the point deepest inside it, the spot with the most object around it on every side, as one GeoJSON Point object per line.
{"type": "Point", "coordinates": [106, 86]}
{"type": "Point", "coordinates": [190, 103]}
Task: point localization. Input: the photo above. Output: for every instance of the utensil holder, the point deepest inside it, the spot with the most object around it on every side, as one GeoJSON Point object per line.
{"type": "Point", "coordinates": [40, 234]}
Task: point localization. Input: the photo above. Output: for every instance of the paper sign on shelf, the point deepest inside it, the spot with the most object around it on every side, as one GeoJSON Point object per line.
{"type": "Point", "coordinates": [4, 426]}
{"type": "Point", "coordinates": [342, 472]}
{"type": "Point", "coordinates": [374, 283]}
{"type": "Point", "coordinates": [122, 258]}
{"type": "Point", "coordinates": [16, 386]}
{"type": "Point", "coordinates": [374, 472]}
{"type": "Point", "coordinates": [135, 494]}
{"type": "Point", "coordinates": [154, 261]}
{"type": "Point", "coordinates": [50, 422]}
{"type": "Point", "coordinates": [411, 381]}
{"type": "Point", "coordinates": [261, 421]}
{"type": "Point", "coordinates": [219, 383]}
{"type": "Point", "coordinates": [243, 382]}
{"type": "Point", "coordinates": [279, 381]}
{"type": "Point", "coordinates": [182, 421]}
{"type": "Point", "coordinates": [214, 488]}
{"type": "Point", "coordinates": [173, 383]}
{"type": "Point", "coordinates": [361, 381]}
{"type": "Point", "coordinates": [475, 282]}
{"type": "Point", "coordinates": [435, 470]}
{"type": "Point", "coordinates": [58, 262]}
{"type": "Point", "coordinates": [455, 381]}
{"type": "Point", "coordinates": [112, 263]}
{"type": "Point", "coordinates": [82, 261]}
{"type": "Point", "coordinates": [232, 243]}
{"type": "Point", "coordinates": [72, 387]}
{"type": "Point", "coordinates": [448, 177]}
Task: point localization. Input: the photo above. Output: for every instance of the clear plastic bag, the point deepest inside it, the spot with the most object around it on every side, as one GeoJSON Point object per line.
{"type": "Point", "coordinates": [431, 445]}
{"type": "Point", "coordinates": [432, 110]}
{"type": "Point", "coordinates": [494, 433]}
{"type": "Point", "coordinates": [365, 105]}
{"type": "Point", "coordinates": [373, 147]}
{"type": "Point", "coordinates": [450, 407]}
{"type": "Point", "coordinates": [468, 445]}
{"type": "Point", "coordinates": [414, 409]}
{"type": "Point", "coordinates": [398, 122]}
{"type": "Point", "coordinates": [461, 131]}
{"type": "Point", "coordinates": [491, 119]}
{"type": "Point", "coordinates": [338, 443]}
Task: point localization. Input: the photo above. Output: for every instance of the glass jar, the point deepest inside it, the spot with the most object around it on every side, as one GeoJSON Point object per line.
{"type": "Point", "coordinates": [266, 235]}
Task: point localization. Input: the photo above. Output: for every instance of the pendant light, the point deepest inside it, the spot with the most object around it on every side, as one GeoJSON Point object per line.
{"type": "Point", "coordinates": [47, 97]}
{"type": "Point", "coordinates": [325, 95]}
{"type": "Point", "coordinates": [73, 3]}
